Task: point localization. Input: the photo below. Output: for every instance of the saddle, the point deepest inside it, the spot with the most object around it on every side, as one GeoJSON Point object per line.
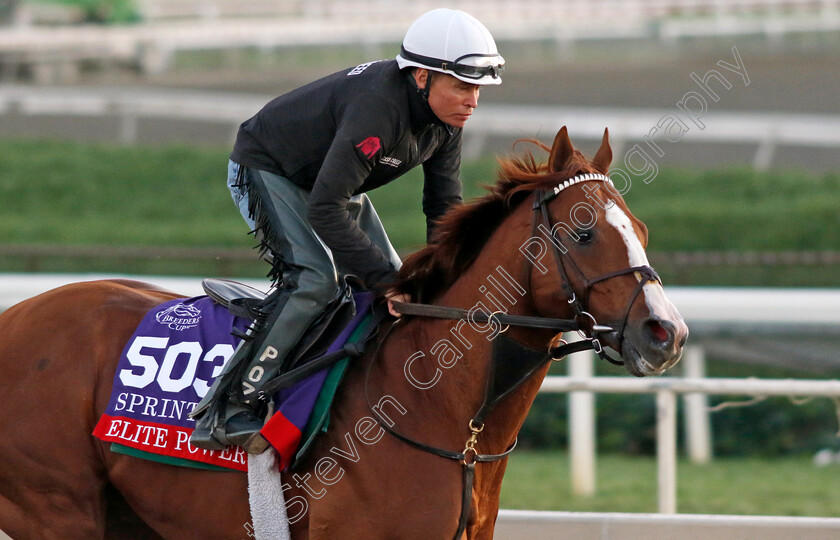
{"type": "Point", "coordinates": [240, 299]}
{"type": "Point", "coordinates": [337, 336]}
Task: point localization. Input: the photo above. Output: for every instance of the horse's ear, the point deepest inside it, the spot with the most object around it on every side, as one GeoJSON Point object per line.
{"type": "Point", "coordinates": [561, 151]}
{"type": "Point", "coordinates": [604, 156]}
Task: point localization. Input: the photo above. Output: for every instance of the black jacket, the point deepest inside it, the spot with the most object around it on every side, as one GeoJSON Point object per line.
{"type": "Point", "coordinates": [346, 134]}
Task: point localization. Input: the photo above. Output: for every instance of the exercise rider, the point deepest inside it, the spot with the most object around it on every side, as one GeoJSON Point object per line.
{"type": "Point", "coordinates": [299, 171]}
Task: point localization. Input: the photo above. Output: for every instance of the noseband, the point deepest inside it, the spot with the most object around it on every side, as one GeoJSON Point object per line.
{"type": "Point", "coordinates": [588, 325]}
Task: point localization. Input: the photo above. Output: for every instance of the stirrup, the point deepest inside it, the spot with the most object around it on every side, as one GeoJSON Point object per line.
{"type": "Point", "coordinates": [203, 438]}
{"type": "Point", "coordinates": [210, 398]}
{"type": "Point", "coordinates": [256, 443]}
{"type": "Point", "coordinates": [202, 435]}
{"type": "Point", "coordinates": [214, 431]}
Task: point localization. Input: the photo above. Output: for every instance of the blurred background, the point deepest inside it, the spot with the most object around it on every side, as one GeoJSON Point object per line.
{"type": "Point", "coordinates": [117, 116]}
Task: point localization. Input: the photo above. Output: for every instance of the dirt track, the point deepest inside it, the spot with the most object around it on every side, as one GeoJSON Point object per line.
{"type": "Point", "coordinates": [799, 75]}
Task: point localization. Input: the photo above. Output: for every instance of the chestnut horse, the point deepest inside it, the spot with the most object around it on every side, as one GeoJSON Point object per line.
{"type": "Point", "coordinates": [511, 251]}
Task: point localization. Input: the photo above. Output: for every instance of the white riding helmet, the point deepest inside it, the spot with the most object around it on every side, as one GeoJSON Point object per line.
{"type": "Point", "coordinates": [453, 42]}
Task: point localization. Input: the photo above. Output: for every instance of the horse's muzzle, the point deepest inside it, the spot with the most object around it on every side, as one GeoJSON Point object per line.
{"type": "Point", "coordinates": [653, 346]}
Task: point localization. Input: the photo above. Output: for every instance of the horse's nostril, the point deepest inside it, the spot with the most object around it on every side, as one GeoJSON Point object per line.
{"type": "Point", "coordinates": [657, 332]}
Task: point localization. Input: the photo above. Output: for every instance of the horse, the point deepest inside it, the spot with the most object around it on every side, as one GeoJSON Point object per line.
{"type": "Point", "coordinates": [550, 241]}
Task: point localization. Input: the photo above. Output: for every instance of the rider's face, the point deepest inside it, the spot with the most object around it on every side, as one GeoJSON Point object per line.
{"type": "Point", "coordinates": [451, 99]}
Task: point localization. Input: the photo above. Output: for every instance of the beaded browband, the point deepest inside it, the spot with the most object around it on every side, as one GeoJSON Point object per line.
{"type": "Point", "coordinates": [555, 191]}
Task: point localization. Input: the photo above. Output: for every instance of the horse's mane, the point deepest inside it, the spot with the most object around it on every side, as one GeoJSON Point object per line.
{"type": "Point", "coordinates": [461, 233]}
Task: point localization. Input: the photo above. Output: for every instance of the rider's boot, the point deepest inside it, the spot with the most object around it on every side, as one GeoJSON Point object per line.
{"type": "Point", "coordinates": [223, 416]}
{"type": "Point", "coordinates": [225, 379]}
{"type": "Point", "coordinates": [234, 413]}
{"type": "Point", "coordinates": [220, 408]}
{"type": "Point", "coordinates": [226, 422]}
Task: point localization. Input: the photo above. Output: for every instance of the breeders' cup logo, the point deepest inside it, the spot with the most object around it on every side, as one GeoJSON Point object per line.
{"type": "Point", "coordinates": [179, 317]}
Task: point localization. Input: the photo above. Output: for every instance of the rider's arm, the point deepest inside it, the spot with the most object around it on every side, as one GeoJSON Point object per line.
{"type": "Point", "coordinates": [343, 172]}
{"type": "Point", "coordinates": [442, 187]}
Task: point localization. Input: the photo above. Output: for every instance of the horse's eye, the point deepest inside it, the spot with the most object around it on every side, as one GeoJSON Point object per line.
{"type": "Point", "coordinates": [585, 236]}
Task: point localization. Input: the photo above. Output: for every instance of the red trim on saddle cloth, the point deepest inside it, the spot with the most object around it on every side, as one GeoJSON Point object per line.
{"type": "Point", "coordinates": [166, 440]}
{"type": "Point", "coordinates": [284, 436]}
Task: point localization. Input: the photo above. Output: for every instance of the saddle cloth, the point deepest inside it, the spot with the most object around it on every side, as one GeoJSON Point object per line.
{"type": "Point", "coordinates": [169, 364]}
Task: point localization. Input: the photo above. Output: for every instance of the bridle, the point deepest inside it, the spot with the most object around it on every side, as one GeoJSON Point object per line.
{"type": "Point", "coordinates": [528, 361]}
{"type": "Point", "coordinates": [589, 327]}
{"type": "Point", "coordinates": [583, 322]}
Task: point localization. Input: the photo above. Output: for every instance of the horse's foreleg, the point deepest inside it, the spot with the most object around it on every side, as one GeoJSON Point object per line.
{"type": "Point", "coordinates": [486, 501]}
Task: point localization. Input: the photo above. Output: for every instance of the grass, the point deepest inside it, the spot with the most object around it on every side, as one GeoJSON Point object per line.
{"type": "Point", "coordinates": [784, 486]}
{"type": "Point", "coordinates": [85, 194]}
{"type": "Point", "coordinates": [67, 193]}
{"type": "Point", "coordinates": [738, 209]}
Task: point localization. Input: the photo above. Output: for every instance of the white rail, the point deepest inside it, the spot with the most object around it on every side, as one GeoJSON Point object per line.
{"type": "Point", "coordinates": [666, 389]}
{"type": "Point", "coordinates": [706, 308]}
{"type": "Point", "coordinates": [219, 25]}
{"type": "Point", "coordinates": [533, 525]}
{"type": "Point", "coordinates": [493, 9]}
{"type": "Point", "coordinates": [679, 385]}
{"type": "Point", "coordinates": [15, 288]}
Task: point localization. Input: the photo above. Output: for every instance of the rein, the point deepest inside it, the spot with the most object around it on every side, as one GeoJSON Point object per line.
{"type": "Point", "coordinates": [585, 323]}
{"type": "Point", "coordinates": [443, 312]}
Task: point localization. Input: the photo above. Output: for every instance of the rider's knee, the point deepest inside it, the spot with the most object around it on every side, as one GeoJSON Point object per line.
{"type": "Point", "coordinates": [319, 288]}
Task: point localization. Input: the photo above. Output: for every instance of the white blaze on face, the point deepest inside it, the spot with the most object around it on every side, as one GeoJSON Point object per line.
{"type": "Point", "coordinates": [635, 252]}
{"type": "Point", "coordinates": [654, 294]}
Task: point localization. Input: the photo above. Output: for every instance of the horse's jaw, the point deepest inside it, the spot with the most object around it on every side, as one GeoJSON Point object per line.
{"type": "Point", "coordinates": [638, 365]}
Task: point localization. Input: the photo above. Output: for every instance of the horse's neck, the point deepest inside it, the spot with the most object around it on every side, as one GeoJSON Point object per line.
{"type": "Point", "coordinates": [496, 281]}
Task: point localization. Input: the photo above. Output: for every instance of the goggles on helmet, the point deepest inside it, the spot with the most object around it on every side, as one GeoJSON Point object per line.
{"type": "Point", "coordinates": [470, 66]}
